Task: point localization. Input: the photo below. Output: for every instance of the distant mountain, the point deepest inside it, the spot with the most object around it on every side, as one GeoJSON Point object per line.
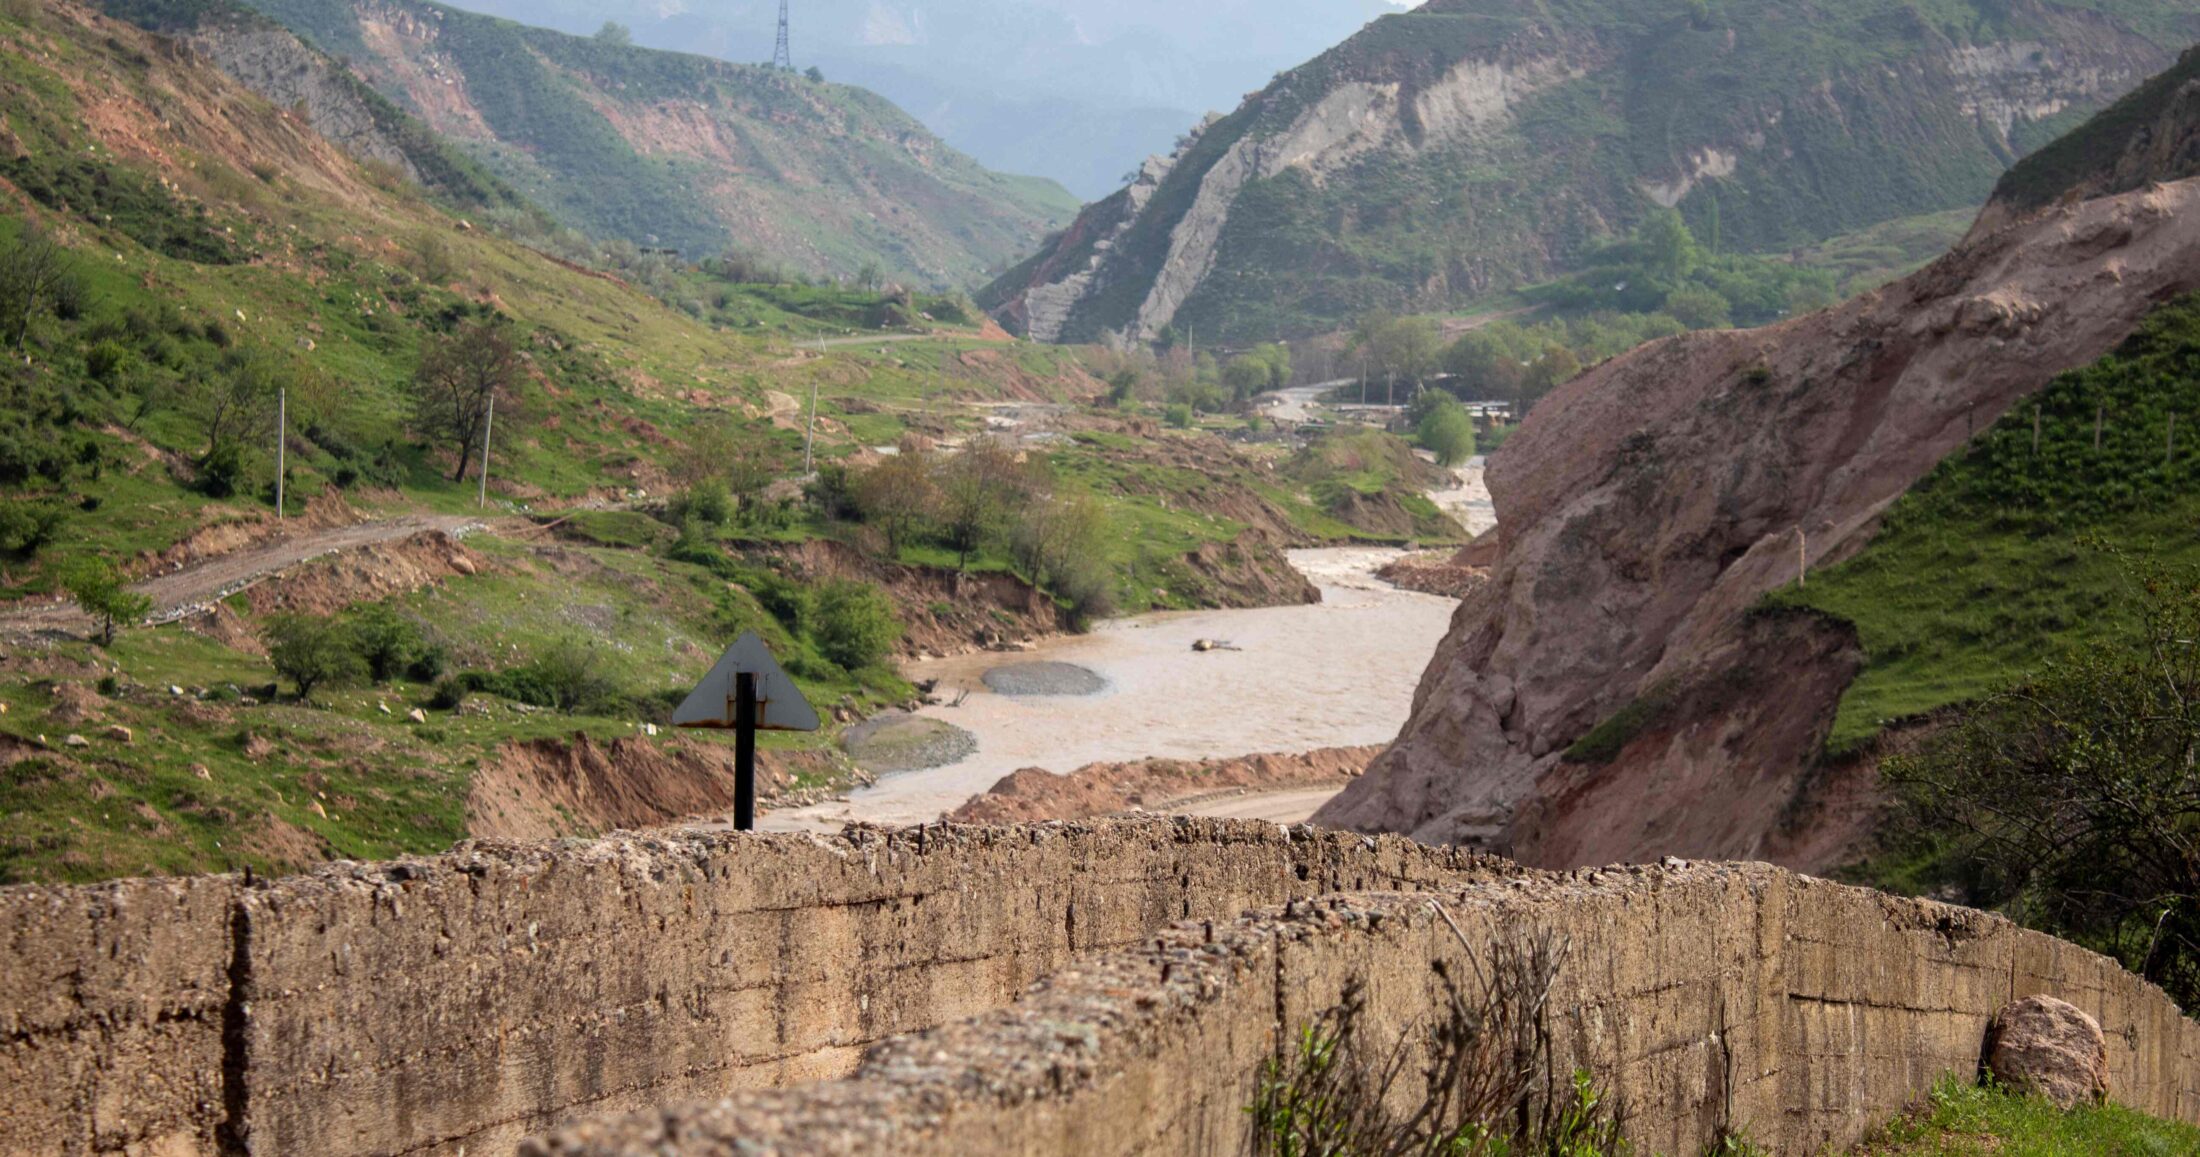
{"type": "Point", "coordinates": [1473, 145]}
{"type": "Point", "coordinates": [665, 149]}
{"type": "Point", "coordinates": [1076, 90]}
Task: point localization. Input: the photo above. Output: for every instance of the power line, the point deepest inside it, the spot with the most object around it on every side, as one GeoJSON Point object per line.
{"type": "Point", "coordinates": [782, 58]}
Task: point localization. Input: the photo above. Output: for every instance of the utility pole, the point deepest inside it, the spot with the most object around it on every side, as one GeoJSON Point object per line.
{"type": "Point", "coordinates": [282, 421]}
{"type": "Point", "coordinates": [488, 427]}
{"type": "Point", "coordinates": [809, 432]}
{"type": "Point", "coordinates": [782, 58]}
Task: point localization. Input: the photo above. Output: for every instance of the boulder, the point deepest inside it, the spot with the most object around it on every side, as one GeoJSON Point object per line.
{"type": "Point", "coordinates": [2049, 1047]}
{"type": "Point", "coordinates": [120, 734]}
{"type": "Point", "coordinates": [417, 715]}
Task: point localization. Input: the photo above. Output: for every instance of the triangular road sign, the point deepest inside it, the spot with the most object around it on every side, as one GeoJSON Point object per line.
{"type": "Point", "coordinates": [780, 706]}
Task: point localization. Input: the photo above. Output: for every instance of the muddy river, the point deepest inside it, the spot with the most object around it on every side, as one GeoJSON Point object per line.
{"type": "Point", "coordinates": [1333, 674]}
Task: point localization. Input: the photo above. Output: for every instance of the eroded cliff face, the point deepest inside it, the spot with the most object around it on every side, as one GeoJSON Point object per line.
{"type": "Point", "coordinates": [1466, 147]}
{"type": "Point", "coordinates": [1648, 505]}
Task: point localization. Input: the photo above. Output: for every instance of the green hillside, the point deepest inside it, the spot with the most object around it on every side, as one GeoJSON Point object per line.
{"type": "Point", "coordinates": [675, 151]}
{"type": "Point", "coordinates": [2006, 557]}
{"type": "Point", "coordinates": [1771, 126]}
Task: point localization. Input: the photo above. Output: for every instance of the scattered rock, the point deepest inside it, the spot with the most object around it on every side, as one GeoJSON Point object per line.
{"type": "Point", "coordinates": [120, 734]}
{"type": "Point", "coordinates": [202, 771]}
{"type": "Point", "coordinates": [2049, 1047]}
{"type": "Point", "coordinates": [649, 729]}
{"type": "Point", "coordinates": [73, 740]}
{"type": "Point", "coordinates": [175, 690]}
{"type": "Point", "coordinates": [417, 715]}
{"type": "Point", "coordinates": [384, 708]}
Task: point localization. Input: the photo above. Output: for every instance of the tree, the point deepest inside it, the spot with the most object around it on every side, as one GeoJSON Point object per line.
{"type": "Point", "coordinates": [854, 623]}
{"type": "Point", "coordinates": [899, 496]}
{"type": "Point", "coordinates": [815, 74]}
{"type": "Point", "coordinates": [2075, 797]}
{"type": "Point", "coordinates": [388, 642]}
{"type": "Point", "coordinates": [615, 33]}
{"type": "Point", "coordinates": [101, 592]}
{"type": "Point", "coordinates": [1699, 307]}
{"type": "Point", "coordinates": [1246, 375]}
{"type": "Point", "coordinates": [35, 276]}
{"type": "Point", "coordinates": [1482, 367]}
{"type": "Point", "coordinates": [235, 405]}
{"type": "Point", "coordinates": [978, 487]}
{"type": "Point", "coordinates": [1447, 432]}
{"type": "Point", "coordinates": [1404, 348]}
{"type": "Point", "coordinates": [311, 651]}
{"type": "Point", "coordinates": [457, 378]}
{"type": "Point", "coordinates": [1555, 368]}
{"type": "Point", "coordinates": [1668, 248]}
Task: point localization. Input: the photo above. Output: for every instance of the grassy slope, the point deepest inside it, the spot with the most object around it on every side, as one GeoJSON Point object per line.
{"type": "Point", "coordinates": [2002, 558]}
{"type": "Point", "coordinates": [1960, 1120]}
{"type": "Point", "coordinates": [823, 177]}
{"type": "Point", "coordinates": [316, 251]}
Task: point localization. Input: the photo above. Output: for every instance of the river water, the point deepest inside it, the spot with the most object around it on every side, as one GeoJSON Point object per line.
{"type": "Point", "coordinates": [1333, 674]}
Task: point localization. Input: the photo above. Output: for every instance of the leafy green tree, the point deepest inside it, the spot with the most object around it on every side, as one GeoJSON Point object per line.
{"type": "Point", "coordinates": [1483, 366]}
{"type": "Point", "coordinates": [854, 623]}
{"type": "Point", "coordinates": [899, 496]}
{"type": "Point", "coordinates": [615, 33]}
{"type": "Point", "coordinates": [1668, 248]}
{"type": "Point", "coordinates": [2075, 798]}
{"type": "Point", "coordinates": [1699, 307]}
{"type": "Point", "coordinates": [312, 651]}
{"type": "Point", "coordinates": [1246, 375]}
{"type": "Point", "coordinates": [1555, 368]}
{"type": "Point", "coordinates": [979, 486]}
{"type": "Point", "coordinates": [1447, 432]}
{"type": "Point", "coordinates": [101, 592]}
{"type": "Point", "coordinates": [388, 641]}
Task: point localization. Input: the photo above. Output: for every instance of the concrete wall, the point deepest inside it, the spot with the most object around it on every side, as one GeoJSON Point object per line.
{"type": "Point", "coordinates": [1705, 996]}
{"type": "Point", "coordinates": [457, 1003]}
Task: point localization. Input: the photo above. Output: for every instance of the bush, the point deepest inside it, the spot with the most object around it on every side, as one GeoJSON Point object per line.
{"type": "Point", "coordinates": [571, 672]}
{"type": "Point", "coordinates": [707, 502]}
{"type": "Point", "coordinates": [2074, 797]}
{"type": "Point", "coordinates": [388, 642]}
{"type": "Point", "coordinates": [856, 626]}
{"type": "Point", "coordinates": [1179, 416]}
{"type": "Point", "coordinates": [222, 474]}
{"type": "Point", "coordinates": [27, 527]}
{"type": "Point", "coordinates": [312, 651]}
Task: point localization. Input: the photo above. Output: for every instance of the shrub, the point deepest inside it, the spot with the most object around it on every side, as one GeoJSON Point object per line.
{"type": "Point", "coordinates": [856, 626]}
{"type": "Point", "coordinates": [311, 651]}
{"type": "Point", "coordinates": [1484, 1053]}
{"type": "Point", "coordinates": [1178, 416]}
{"type": "Point", "coordinates": [388, 642]}
{"type": "Point", "coordinates": [2074, 797]}
{"type": "Point", "coordinates": [571, 672]}
{"type": "Point", "coordinates": [27, 527]}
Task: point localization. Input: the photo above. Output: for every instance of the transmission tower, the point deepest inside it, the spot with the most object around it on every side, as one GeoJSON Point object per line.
{"type": "Point", "coordinates": [781, 57]}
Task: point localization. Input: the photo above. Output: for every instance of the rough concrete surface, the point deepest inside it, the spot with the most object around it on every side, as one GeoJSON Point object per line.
{"type": "Point", "coordinates": [1705, 996]}
{"type": "Point", "coordinates": [459, 1002]}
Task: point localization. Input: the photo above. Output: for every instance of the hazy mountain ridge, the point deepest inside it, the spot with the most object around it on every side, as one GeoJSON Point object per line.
{"type": "Point", "coordinates": [684, 151]}
{"type": "Point", "coordinates": [1462, 148]}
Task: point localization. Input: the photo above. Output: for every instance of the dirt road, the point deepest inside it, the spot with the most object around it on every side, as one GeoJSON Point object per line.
{"type": "Point", "coordinates": [1282, 807]}
{"type": "Point", "coordinates": [215, 578]}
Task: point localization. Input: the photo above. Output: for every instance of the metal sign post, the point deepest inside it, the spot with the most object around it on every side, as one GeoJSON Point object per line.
{"type": "Point", "coordinates": [746, 692]}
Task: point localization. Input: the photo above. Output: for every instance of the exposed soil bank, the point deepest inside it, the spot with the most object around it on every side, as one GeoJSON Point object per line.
{"type": "Point", "coordinates": [546, 788]}
{"type": "Point", "coordinates": [1340, 673]}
